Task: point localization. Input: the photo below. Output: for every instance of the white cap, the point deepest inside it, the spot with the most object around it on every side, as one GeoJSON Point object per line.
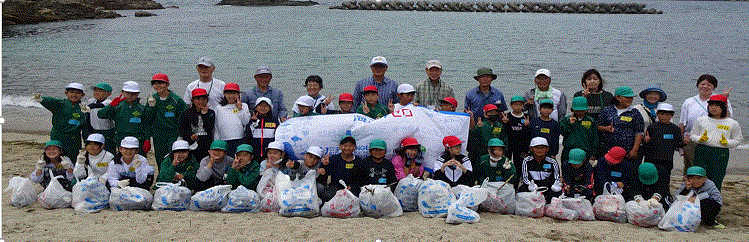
{"type": "Point", "coordinates": [205, 61]}
{"type": "Point", "coordinates": [379, 60]}
{"type": "Point", "coordinates": [130, 86]}
{"type": "Point", "coordinates": [405, 88]}
{"type": "Point", "coordinates": [180, 145]}
{"type": "Point", "coordinates": [305, 101]}
{"type": "Point", "coordinates": [665, 107]}
{"type": "Point", "coordinates": [75, 85]}
{"type": "Point", "coordinates": [264, 99]}
{"type": "Point", "coordinates": [539, 141]}
{"type": "Point", "coordinates": [96, 138]}
{"type": "Point", "coordinates": [262, 70]}
{"type": "Point", "coordinates": [545, 72]}
{"type": "Point", "coordinates": [314, 150]}
{"type": "Point", "coordinates": [434, 63]}
{"type": "Point", "coordinates": [129, 142]}
{"type": "Point", "coordinates": [276, 145]}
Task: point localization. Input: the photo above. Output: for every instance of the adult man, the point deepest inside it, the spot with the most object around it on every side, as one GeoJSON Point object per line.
{"type": "Point", "coordinates": [263, 76]}
{"type": "Point", "coordinates": [433, 89]}
{"type": "Point", "coordinates": [542, 91]}
{"type": "Point", "coordinates": [484, 94]}
{"type": "Point", "coordinates": [387, 88]}
{"type": "Point", "coordinates": [215, 87]}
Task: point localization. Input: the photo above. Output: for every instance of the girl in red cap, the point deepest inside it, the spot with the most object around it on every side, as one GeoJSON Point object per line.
{"type": "Point", "coordinates": [714, 135]}
{"type": "Point", "coordinates": [232, 116]}
{"type": "Point", "coordinates": [453, 167]}
{"type": "Point", "coordinates": [408, 159]}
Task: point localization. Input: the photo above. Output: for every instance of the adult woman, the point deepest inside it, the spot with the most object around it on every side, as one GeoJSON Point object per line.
{"type": "Point", "coordinates": [593, 90]}
{"type": "Point", "coordinates": [651, 96]}
{"type": "Point", "coordinates": [620, 124]}
{"type": "Point", "coordinates": [715, 134]}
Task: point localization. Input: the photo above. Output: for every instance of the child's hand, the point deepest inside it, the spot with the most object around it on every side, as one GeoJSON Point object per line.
{"type": "Point", "coordinates": [391, 106]}
{"type": "Point", "coordinates": [609, 128]}
{"type": "Point", "coordinates": [620, 184]}
{"type": "Point", "coordinates": [151, 101]}
{"type": "Point", "coordinates": [505, 119]}
{"type": "Point", "coordinates": [123, 183]}
{"type": "Point", "coordinates": [321, 171]}
{"type": "Point", "coordinates": [327, 101]}
{"type": "Point", "coordinates": [239, 103]}
{"type": "Point", "coordinates": [178, 177]}
{"type": "Point", "coordinates": [691, 199]}
{"type": "Point", "coordinates": [704, 137]}
{"type": "Point", "coordinates": [572, 119]}
{"type": "Point", "coordinates": [40, 164]}
{"type": "Point", "coordinates": [326, 160]}
{"type": "Point", "coordinates": [194, 137]}
{"type": "Point", "coordinates": [84, 107]}
{"type": "Point", "coordinates": [647, 137]}
{"type": "Point", "coordinates": [526, 120]}
{"type": "Point", "coordinates": [116, 101]}
{"type": "Point", "coordinates": [268, 165]}
{"type": "Point", "coordinates": [254, 116]}
{"type": "Point", "coordinates": [727, 91]}
{"type": "Point", "coordinates": [290, 164]}
{"type": "Point", "coordinates": [81, 158]}
{"type": "Point", "coordinates": [37, 97]}
{"type": "Point", "coordinates": [723, 140]}
{"type": "Point", "coordinates": [479, 123]}
{"type": "Point", "coordinates": [364, 107]}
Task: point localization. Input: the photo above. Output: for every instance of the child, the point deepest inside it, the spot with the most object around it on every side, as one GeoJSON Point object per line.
{"type": "Point", "coordinates": [710, 197]}
{"type": "Point", "coordinates": [313, 160]}
{"type": "Point", "coordinates": [244, 170]}
{"type": "Point", "coordinates": [663, 139]}
{"type": "Point", "coordinates": [546, 127]}
{"type": "Point", "coordinates": [67, 117]}
{"type": "Point", "coordinates": [53, 159]}
{"type": "Point", "coordinates": [453, 167]}
{"type": "Point", "coordinates": [263, 126]}
{"type": "Point", "coordinates": [647, 186]}
{"type": "Point", "coordinates": [578, 175]}
{"type": "Point", "coordinates": [197, 123]}
{"type": "Point", "coordinates": [129, 168]}
{"type": "Point", "coordinates": [715, 134]}
{"type": "Point", "coordinates": [275, 157]}
{"type": "Point", "coordinates": [617, 171]}
{"type": "Point", "coordinates": [370, 106]}
{"type": "Point", "coordinates": [375, 169]}
{"type": "Point", "coordinates": [448, 104]}
{"type": "Point", "coordinates": [179, 165]}
{"type": "Point", "coordinates": [231, 117]}
{"type": "Point", "coordinates": [495, 165]}
{"type": "Point", "coordinates": [341, 167]}
{"type": "Point", "coordinates": [127, 116]}
{"type": "Point", "coordinates": [516, 122]}
{"type": "Point", "coordinates": [542, 169]}
{"type": "Point", "coordinates": [304, 107]}
{"type": "Point", "coordinates": [95, 124]}
{"type": "Point", "coordinates": [345, 102]}
{"type": "Point", "coordinates": [95, 158]}
{"type": "Point", "coordinates": [162, 116]}
{"type": "Point", "coordinates": [408, 159]}
{"type": "Point", "coordinates": [313, 84]}
{"type": "Point", "coordinates": [579, 130]}
{"type": "Point", "coordinates": [213, 167]}
{"type": "Point", "coordinates": [486, 129]}
{"type": "Point", "coordinates": [406, 94]}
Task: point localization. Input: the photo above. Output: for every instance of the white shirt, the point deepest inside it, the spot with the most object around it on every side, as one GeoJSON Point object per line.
{"type": "Point", "coordinates": [727, 128]}
{"type": "Point", "coordinates": [117, 171]}
{"type": "Point", "coordinates": [96, 122]}
{"type": "Point", "coordinates": [215, 89]}
{"type": "Point", "coordinates": [694, 108]}
{"type": "Point", "coordinates": [98, 164]}
{"type": "Point", "coordinates": [230, 121]}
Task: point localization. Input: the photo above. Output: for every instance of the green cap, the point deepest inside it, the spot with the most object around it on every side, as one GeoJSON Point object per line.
{"type": "Point", "coordinates": [484, 71]}
{"type": "Point", "coordinates": [218, 145]}
{"type": "Point", "coordinates": [579, 104]}
{"type": "Point", "coordinates": [494, 142]}
{"type": "Point", "coordinates": [696, 171]}
{"type": "Point", "coordinates": [54, 143]}
{"type": "Point", "coordinates": [103, 86]}
{"type": "Point", "coordinates": [378, 144]}
{"type": "Point", "coordinates": [577, 156]}
{"type": "Point", "coordinates": [624, 91]}
{"type": "Point", "coordinates": [648, 173]}
{"type": "Point", "coordinates": [546, 101]}
{"type": "Point", "coordinates": [244, 147]}
{"type": "Point", "coordinates": [517, 98]}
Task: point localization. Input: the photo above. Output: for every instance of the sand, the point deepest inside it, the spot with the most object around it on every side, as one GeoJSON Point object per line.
{"type": "Point", "coordinates": [34, 223]}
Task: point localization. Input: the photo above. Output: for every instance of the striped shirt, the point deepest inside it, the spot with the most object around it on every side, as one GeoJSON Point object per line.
{"type": "Point", "coordinates": [429, 95]}
{"type": "Point", "coordinates": [543, 174]}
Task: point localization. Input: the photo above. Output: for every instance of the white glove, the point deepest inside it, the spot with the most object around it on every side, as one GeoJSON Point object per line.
{"type": "Point", "coordinates": [37, 97]}
{"type": "Point", "coordinates": [638, 198]}
{"type": "Point", "coordinates": [136, 163]}
{"type": "Point", "coordinates": [66, 164]}
{"type": "Point", "coordinates": [532, 186]}
{"type": "Point", "coordinates": [123, 183]}
{"type": "Point", "coordinates": [40, 164]}
{"type": "Point", "coordinates": [593, 163]}
{"type": "Point", "coordinates": [84, 107]}
{"type": "Point", "coordinates": [653, 203]}
{"type": "Point", "coordinates": [151, 101]}
{"type": "Point", "coordinates": [507, 164]}
{"type": "Point", "coordinates": [102, 180]}
{"type": "Point", "coordinates": [556, 187]}
{"type": "Point", "coordinates": [80, 159]}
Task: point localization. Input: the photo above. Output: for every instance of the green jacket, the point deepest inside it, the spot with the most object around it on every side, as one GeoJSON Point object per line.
{"type": "Point", "coordinates": [482, 135]}
{"type": "Point", "coordinates": [187, 168]}
{"type": "Point", "coordinates": [247, 176]}
{"type": "Point", "coordinates": [67, 116]}
{"type": "Point", "coordinates": [375, 111]}
{"type": "Point", "coordinates": [164, 117]}
{"type": "Point", "coordinates": [310, 113]}
{"type": "Point", "coordinates": [582, 134]}
{"type": "Point", "coordinates": [128, 119]}
{"type": "Point", "coordinates": [495, 174]}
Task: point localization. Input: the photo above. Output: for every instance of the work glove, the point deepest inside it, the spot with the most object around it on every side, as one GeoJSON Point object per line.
{"type": "Point", "coordinates": [67, 164]}
{"type": "Point", "coordinates": [123, 183]}
{"type": "Point", "coordinates": [84, 108]}
{"type": "Point", "coordinates": [40, 164]}
{"type": "Point", "coordinates": [507, 164]}
{"type": "Point", "coordinates": [556, 187]}
{"type": "Point", "coordinates": [703, 138]}
{"type": "Point", "coordinates": [37, 97]}
{"type": "Point", "coordinates": [116, 101]}
{"type": "Point", "coordinates": [593, 163]}
{"type": "Point", "coordinates": [146, 146]}
{"type": "Point", "coordinates": [723, 140]}
{"type": "Point", "coordinates": [151, 101]}
{"type": "Point", "coordinates": [80, 159]}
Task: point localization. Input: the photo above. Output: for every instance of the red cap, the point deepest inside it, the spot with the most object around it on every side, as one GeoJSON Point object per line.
{"type": "Point", "coordinates": [615, 155]}
{"type": "Point", "coordinates": [409, 141]}
{"type": "Point", "coordinates": [231, 87]}
{"type": "Point", "coordinates": [370, 88]}
{"type": "Point", "coordinates": [160, 77]}
{"type": "Point", "coordinates": [489, 107]}
{"type": "Point", "coordinates": [451, 141]}
{"type": "Point", "coordinates": [718, 98]}
{"type": "Point", "coordinates": [197, 92]}
{"type": "Point", "coordinates": [451, 100]}
{"type": "Point", "coordinates": [346, 97]}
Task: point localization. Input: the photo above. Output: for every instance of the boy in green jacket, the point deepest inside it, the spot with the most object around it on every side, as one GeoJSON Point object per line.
{"type": "Point", "coordinates": [579, 130]}
{"type": "Point", "coordinates": [495, 165]}
{"type": "Point", "coordinates": [490, 127]}
{"type": "Point", "coordinates": [128, 116]}
{"type": "Point", "coordinates": [68, 117]}
{"type": "Point", "coordinates": [370, 106]}
{"type": "Point", "coordinates": [162, 115]}
{"type": "Point", "coordinates": [179, 166]}
{"type": "Point", "coordinates": [244, 170]}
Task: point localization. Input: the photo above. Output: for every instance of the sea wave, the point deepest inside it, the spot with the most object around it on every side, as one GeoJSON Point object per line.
{"type": "Point", "coordinates": [21, 101]}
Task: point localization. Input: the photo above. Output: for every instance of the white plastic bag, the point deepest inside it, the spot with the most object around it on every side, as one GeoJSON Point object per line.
{"type": "Point", "coordinates": [471, 193]}
{"type": "Point", "coordinates": [531, 204]}
{"type": "Point", "coordinates": [130, 198]}
{"type": "Point", "coordinates": [24, 193]}
{"type": "Point", "coordinates": [299, 198]}
{"type": "Point", "coordinates": [434, 198]}
{"type": "Point", "coordinates": [266, 191]}
{"type": "Point", "coordinates": [460, 211]}
{"type": "Point", "coordinates": [171, 196]}
{"type": "Point", "coordinates": [580, 205]}
{"type": "Point", "coordinates": [90, 195]}
{"type": "Point", "coordinates": [343, 205]}
{"type": "Point", "coordinates": [556, 209]}
{"type": "Point", "coordinates": [610, 206]}
{"type": "Point", "coordinates": [55, 196]}
{"type": "Point", "coordinates": [242, 200]}
{"type": "Point", "coordinates": [644, 214]}
{"type": "Point", "coordinates": [407, 192]}
{"type": "Point", "coordinates": [378, 201]}
{"type": "Point", "coordinates": [211, 199]}
{"type": "Point", "coordinates": [683, 215]}
{"type": "Point", "coordinates": [500, 197]}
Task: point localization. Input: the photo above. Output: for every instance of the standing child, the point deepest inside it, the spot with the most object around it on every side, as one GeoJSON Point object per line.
{"type": "Point", "coordinates": [370, 106]}
{"type": "Point", "coordinates": [162, 115]}
{"type": "Point", "coordinates": [345, 102]}
{"type": "Point", "coordinates": [546, 127]}
{"type": "Point", "coordinates": [180, 165]}
{"type": "Point", "coordinates": [448, 104]}
{"type": "Point", "coordinates": [715, 134]}
{"type": "Point", "coordinates": [408, 159]}
{"type": "Point", "coordinates": [542, 169]}
{"type": "Point", "coordinates": [231, 117]}
{"type": "Point", "coordinates": [213, 167]}
{"type": "Point", "coordinates": [495, 165]}
{"type": "Point", "coordinates": [67, 117]}
{"type": "Point", "coordinates": [663, 139]}
{"type": "Point", "coordinates": [578, 175]}
{"type": "Point", "coordinates": [518, 130]}
{"type": "Point", "coordinates": [95, 158]}
{"type": "Point", "coordinates": [276, 157]}
{"type": "Point", "coordinates": [54, 159]}
{"type": "Point", "coordinates": [490, 127]}
{"type": "Point", "coordinates": [617, 171]}
{"type": "Point", "coordinates": [375, 169]}
{"type": "Point", "coordinates": [197, 123]}
{"type": "Point", "coordinates": [453, 167]}
{"type": "Point", "coordinates": [128, 168]}
{"type": "Point", "coordinates": [244, 170]}
{"type": "Point", "coordinates": [263, 124]}
{"type": "Point", "coordinates": [579, 130]}
{"type": "Point", "coordinates": [127, 116]}
{"type": "Point", "coordinates": [97, 125]}
{"type": "Point", "coordinates": [710, 197]}
{"type": "Point", "coordinates": [304, 107]}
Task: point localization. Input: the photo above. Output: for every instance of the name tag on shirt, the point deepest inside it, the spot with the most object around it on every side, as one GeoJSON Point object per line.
{"type": "Point", "coordinates": [545, 130]}
{"type": "Point", "coordinates": [235, 110]}
{"type": "Point", "coordinates": [169, 114]}
{"type": "Point", "coordinates": [668, 136]}
{"type": "Point", "coordinates": [625, 119]}
{"type": "Point", "coordinates": [135, 120]}
{"type": "Point", "coordinates": [132, 169]}
{"type": "Point", "coordinates": [350, 166]}
{"type": "Point", "coordinates": [270, 125]}
{"type": "Point", "coordinates": [522, 120]}
{"type": "Point", "coordinates": [586, 124]}
{"type": "Point", "coordinates": [723, 127]}
{"type": "Point", "coordinates": [101, 164]}
{"type": "Point", "coordinates": [382, 180]}
{"type": "Point", "coordinates": [498, 178]}
{"type": "Point", "coordinates": [74, 122]}
{"type": "Point", "coordinates": [616, 174]}
{"type": "Point", "coordinates": [547, 166]}
{"type": "Point", "coordinates": [497, 130]}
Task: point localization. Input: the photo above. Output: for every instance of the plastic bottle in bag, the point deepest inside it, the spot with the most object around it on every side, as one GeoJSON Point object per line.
{"type": "Point", "coordinates": [242, 200]}
{"type": "Point", "coordinates": [434, 198]}
{"type": "Point", "coordinates": [90, 195]}
{"type": "Point", "coordinates": [378, 201]}
{"type": "Point", "coordinates": [211, 199]}
{"type": "Point", "coordinates": [407, 192]}
{"type": "Point", "coordinates": [130, 198]}
{"type": "Point", "coordinates": [298, 197]}
{"type": "Point", "coordinates": [171, 196]}
{"type": "Point", "coordinates": [683, 215]}
{"type": "Point", "coordinates": [531, 204]}
{"type": "Point", "coordinates": [55, 196]}
{"type": "Point", "coordinates": [500, 197]}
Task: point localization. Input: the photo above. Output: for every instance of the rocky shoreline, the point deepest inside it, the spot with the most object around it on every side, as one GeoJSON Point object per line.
{"type": "Point", "coordinates": [38, 11]}
{"type": "Point", "coordinates": [266, 3]}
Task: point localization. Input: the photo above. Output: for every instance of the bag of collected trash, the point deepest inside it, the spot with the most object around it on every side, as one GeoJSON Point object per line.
{"type": "Point", "coordinates": [24, 193]}
{"type": "Point", "coordinates": [460, 212]}
{"type": "Point", "coordinates": [299, 198]}
{"type": "Point", "coordinates": [531, 204]}
{"type": "Point", "coordinates": [211, 199]}
{"type": "Point", "coordinates": [343, 205]}
{"type": "Point", "coordinates": [580, 205]}
{"type": "Point", "coordinates": [130, 198]}
{"type": "Point", "coordinates": [500, 197]}
{"type": "Point", "coordinates": [407, 192]}
{"type": "Point", "coordinates": [90, 195]}
{"type": "Point", "coordinates": [266, 190]}
{"type": "Point", "coordinates": [610, 206]}
{"type": "Point", "coordinates": [434, 198]}
{"type": "Point", "coordinates": [378, 201]}
{"type": "Point", "coordinates": [171, 196]}
{"type": "Point", "coordinates": [683, 215]}
{"type": "Point", "coordinates": [459, 190]}
{"type": "Point", "coordinates": [644, 213]}
{"type": "Point", "coordinates": [556, 209]}
{"type": "Point", "coordinates": [55, 196]}
{"type": "Point", "coordinates": [242, 200]}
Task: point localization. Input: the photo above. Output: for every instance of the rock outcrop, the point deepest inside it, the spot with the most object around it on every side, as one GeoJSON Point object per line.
{"type": "Point", "coordinates": [266, 3]}
{"type": "Point", "coordinates": [124, 4]}
{"type": "Point", "coordinates": [37, 11]}
{"type": "Point", "coordinates": [144, 14]}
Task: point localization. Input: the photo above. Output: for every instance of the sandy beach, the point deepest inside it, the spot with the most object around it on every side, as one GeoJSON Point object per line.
{"type": "Point", "coordinates": [34, 223]}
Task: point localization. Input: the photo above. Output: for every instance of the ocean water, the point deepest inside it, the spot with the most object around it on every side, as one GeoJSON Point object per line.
{"type": "Point", "coordinates": [672, 49]}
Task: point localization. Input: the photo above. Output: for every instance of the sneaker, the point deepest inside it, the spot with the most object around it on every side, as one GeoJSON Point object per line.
{"type": "Point", "coordinates": [718, 226]}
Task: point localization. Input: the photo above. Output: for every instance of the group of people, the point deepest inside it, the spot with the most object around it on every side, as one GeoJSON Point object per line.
{"type": "Point", "coordinates": [222, 135]}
